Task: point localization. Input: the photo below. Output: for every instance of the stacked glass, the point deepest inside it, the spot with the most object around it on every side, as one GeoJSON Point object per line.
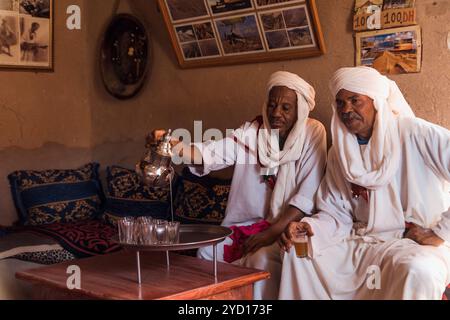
{"type": "Point", "coordinates": [148, 231]}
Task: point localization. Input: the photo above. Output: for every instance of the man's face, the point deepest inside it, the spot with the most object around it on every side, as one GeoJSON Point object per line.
{"type": "Point", "coordinates": [282, 110]}
{"type": "Point", "coordinates": [357, 112]}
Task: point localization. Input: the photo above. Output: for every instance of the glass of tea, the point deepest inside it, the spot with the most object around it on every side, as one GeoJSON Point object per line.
{"type": "Point", "coordinates": [161, 234]}
{"type": "Point", "coordinates": [300, 241]}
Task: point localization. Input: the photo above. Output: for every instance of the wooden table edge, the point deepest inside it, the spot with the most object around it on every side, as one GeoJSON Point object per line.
{"type": "Point", "coordinates": [217, 288]}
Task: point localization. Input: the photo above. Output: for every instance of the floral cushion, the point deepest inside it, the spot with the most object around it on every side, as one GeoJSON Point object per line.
{"type": "Point", "coordinates": [50, 196]}
{"type": "Point", "coordinates": [127, 196]}
{"type": "Point", "coordinates": [200, 200]}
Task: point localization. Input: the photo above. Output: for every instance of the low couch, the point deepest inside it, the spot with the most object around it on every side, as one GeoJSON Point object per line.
{"type": "Point", "coordinates": [71, 214]}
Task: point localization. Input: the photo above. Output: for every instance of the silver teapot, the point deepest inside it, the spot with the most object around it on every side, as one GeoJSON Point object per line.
{"type": "Point", "coordinates": [154, 169]}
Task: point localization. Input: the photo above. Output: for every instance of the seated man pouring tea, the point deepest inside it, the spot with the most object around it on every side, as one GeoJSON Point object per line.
{"type": "Point", "coordinates": [279, 161]}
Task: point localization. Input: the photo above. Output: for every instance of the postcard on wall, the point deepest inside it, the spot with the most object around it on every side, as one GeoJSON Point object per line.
{"type": "Point", "coordinates": [218, 7]}
{"type": "Point", "coordinates": [398, 4]}
{"type": "Point", "coordinates": [264, 4]}
{"type": "Point", "coordinates": [391, 51]}
{"type": "Point", "coordinates": [365, 6]}
{"type": "Point", "coordinates": [197, 40]}
{"type": "Point", "coordinates": [288, 28]}
{"type": "Point", "coordinates": [179, 11]}
{"type": "Point", "coordinates": [240, 34]}
{"type": "Point", "coordinates": [26, 33]}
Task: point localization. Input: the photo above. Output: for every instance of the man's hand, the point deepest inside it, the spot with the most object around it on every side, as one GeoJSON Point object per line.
{"type": "Point", "coordinates": [285, 241]}
{"type": "Point", "coordinates": [423, 236]}
{"type": "Point", "coordinates": [259, 240]}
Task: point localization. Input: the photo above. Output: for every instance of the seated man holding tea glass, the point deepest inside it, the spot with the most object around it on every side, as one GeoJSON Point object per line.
{"type": "Point", "coordinates": [382, 230]}
{"type": "Point", "coordinates": [279, 161]}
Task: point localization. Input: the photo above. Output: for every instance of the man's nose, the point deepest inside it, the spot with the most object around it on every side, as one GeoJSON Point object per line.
{"type": "Point", "coordinates": [346, 108]}
{"type": "Point", "coordinates": [276, 112]}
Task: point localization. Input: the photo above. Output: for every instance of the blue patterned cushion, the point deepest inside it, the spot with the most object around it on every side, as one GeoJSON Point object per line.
{"type": "Point", "coordinates": [45, 197]}
{"type": "Point", "coordinates": [127, 196]}
{"type": "Point", "coordinates": [201, 200]}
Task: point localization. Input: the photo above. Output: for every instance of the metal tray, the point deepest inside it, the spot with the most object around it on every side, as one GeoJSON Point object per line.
{"type": "Point", "coordinates": [192, 236]}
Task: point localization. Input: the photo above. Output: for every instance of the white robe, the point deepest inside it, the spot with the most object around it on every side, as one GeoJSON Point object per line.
{"type": "Point", "coordinates": [344, 261]}
{"type": "Point", "coordinates": [249, 198]}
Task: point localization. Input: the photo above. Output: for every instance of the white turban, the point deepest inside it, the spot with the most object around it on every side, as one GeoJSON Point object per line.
{"type": "Point", "coordinates": [271, 157]}
{"type": "Point", "coordinates": [376, 166]}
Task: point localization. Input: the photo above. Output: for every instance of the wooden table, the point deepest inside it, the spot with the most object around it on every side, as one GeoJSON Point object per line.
{"type": "Point", "coordinates": [114, 277]}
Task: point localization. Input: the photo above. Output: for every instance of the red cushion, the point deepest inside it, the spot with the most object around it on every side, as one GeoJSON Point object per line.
{"type": "Point", "coordinates": [446, 295]}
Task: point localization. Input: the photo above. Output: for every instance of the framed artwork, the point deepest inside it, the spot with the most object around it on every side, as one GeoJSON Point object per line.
{"type": "Point", "coordinates": [26, 31]}
{"type": "Point", "coordinates": [390, 51]}
{"type": "Point", "coordinates": [220, 32]}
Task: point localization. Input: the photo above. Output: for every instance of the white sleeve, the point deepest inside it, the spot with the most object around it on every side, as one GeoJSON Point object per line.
{"type": "Point", "coordinates": [334, 220]}
{"type": "Point", "coordinates": [217, 155]}
{"type": "Point", "coordinates": [310, 171]}
{"type": "Point", "coordinates": [434, 144]}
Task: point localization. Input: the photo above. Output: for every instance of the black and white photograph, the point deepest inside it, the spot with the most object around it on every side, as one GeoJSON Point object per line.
{"type": "Point", "coordinates": [9, 5]}
{"type": "Point", "coordinates": [181, 10]}
{"type": "Point", "coordinates": [271, 3]}
{"type": "Point", "coordinates": [9, 39]}
{"type": "Point", "coordinates": [36, 8]}
{"type": "Point", "coordinates": [240, 35]}
{"type": "Point", "coordinates": [226, 6]}
{"type": "Point", "coordinates": [34, 41]}
{"type": "Point", "coordinates": [26, 31]}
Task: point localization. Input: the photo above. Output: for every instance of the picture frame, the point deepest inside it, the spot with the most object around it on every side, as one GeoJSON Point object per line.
{"type": "Point", "coordinates": [390, 51]}
{"type": "Point", "coordinates": [26, 34]}
{"type": "Point", "coordinates": [208, 33]}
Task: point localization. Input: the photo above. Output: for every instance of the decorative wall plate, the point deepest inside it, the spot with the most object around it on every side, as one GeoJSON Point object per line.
{"type": "Point", "coordinates": [125, 56]}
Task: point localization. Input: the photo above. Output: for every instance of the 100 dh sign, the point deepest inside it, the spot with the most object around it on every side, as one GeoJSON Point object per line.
{"type": "Point", "coordinates": [382, 19]}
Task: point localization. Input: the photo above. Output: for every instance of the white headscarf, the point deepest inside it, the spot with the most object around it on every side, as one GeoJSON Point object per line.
{"type": "Point", "coordinates": [271, 157]}
{"type": "Point", "coordinates": [378, 163]}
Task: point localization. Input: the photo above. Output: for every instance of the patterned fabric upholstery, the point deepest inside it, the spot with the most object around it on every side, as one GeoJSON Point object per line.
{"type": "Point", "coordinates": [82, 239]}
{"type": "Point", "coordinates": [200, 200]}
{"type": "Point", "coordinates": [45, 197]}
{"type": "Point", "coordinates": [127, 196]}
{"type": "Point", "coordinates": [46, 257]}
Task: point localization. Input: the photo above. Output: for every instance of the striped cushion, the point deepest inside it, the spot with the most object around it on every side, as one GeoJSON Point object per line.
{"type": "Point", "coordinates": [45, 197]}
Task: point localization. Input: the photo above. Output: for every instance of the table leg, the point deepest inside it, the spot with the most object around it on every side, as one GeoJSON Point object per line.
{"type": "Point", "coordinates": [138, 261]}
{"type": "Point", "coordinates": [215, 262]}
{"type": "Point", "coordinates": [167, 260]}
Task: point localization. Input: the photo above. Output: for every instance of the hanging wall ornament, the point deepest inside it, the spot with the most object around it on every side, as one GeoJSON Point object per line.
{"type": "Point", "coordinates": [125, 56]}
